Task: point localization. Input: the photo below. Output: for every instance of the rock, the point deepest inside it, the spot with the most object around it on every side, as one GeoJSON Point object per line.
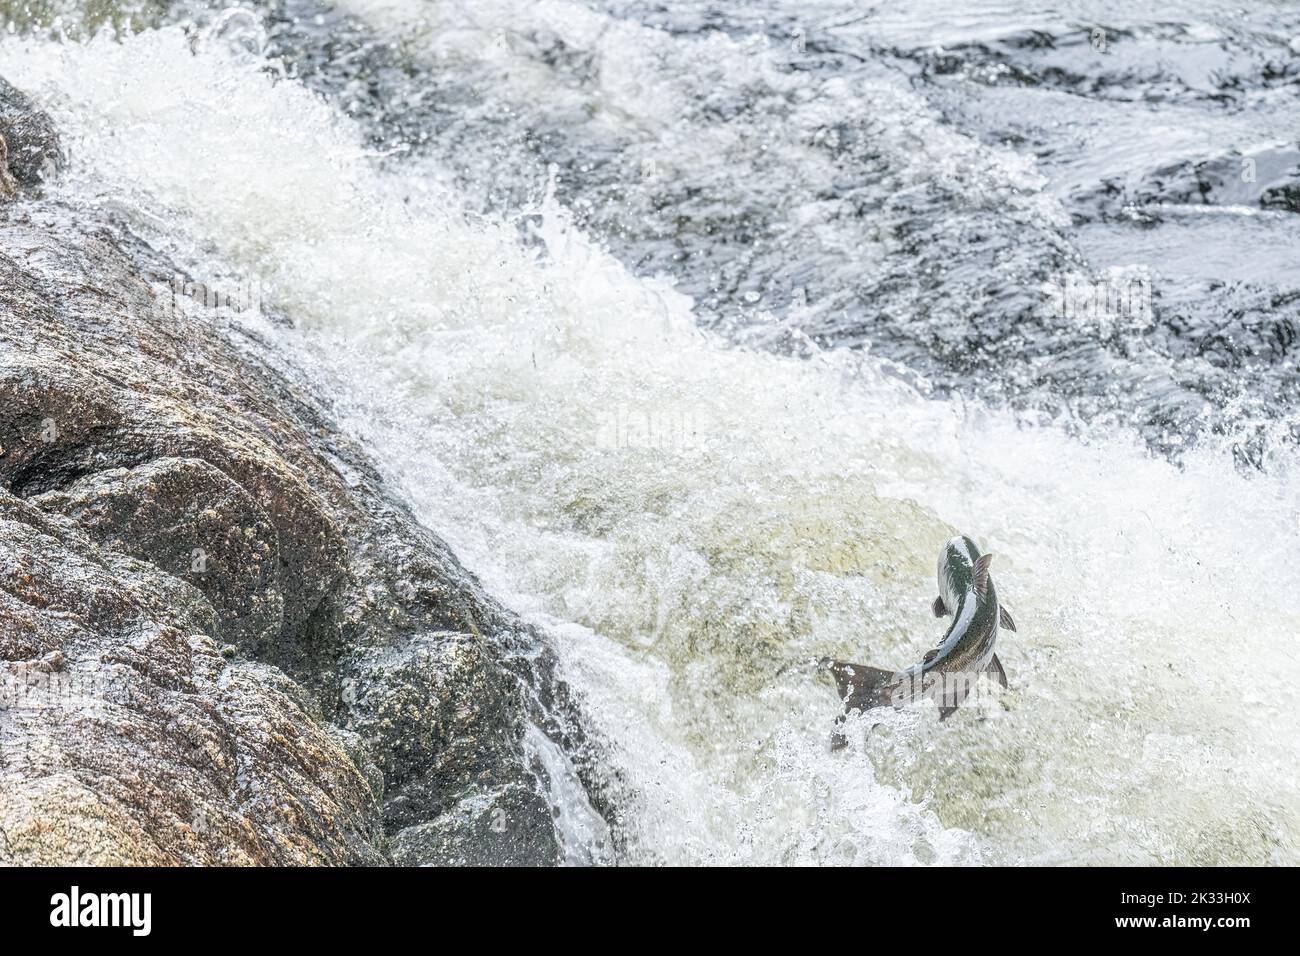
{"type": "Point", "coordinates": [479, 831]}
{"type": "Point", "coordinates": [121, 411]}
{"type": "Point", "coordinates": [8, 188]}
{"type": "Point", "coordinates": [1265, 176]}
{"type": "Point", "coordinates": [29, 144]}
{"type": "Point", "coordinates": [1283, 195]}
{"type": "Point", "coordinates": [193, 522]}
{"type": "Point", "coordinates": [136, 743]}
{"type": "Point", "coordinates": [274, 661]}
{"type": "Point", "coordinates": [448, 709]}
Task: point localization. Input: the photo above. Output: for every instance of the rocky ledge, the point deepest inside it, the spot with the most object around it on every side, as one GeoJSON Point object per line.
{"type": "Point", "coordinates": [222, 639]}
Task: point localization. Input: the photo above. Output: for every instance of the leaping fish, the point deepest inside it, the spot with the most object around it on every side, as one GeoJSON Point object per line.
{"type": "Point", "coordinates": [947, 673]}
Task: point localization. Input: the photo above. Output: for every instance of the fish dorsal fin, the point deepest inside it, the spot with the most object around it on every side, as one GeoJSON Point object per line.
{"type": "Point", "coordinates": [940, 609]}
{"type": "Point", "coordinates": [980, 574]}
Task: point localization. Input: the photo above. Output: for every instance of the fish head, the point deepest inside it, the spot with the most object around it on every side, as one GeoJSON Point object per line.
{"type": "Point", "coordinates": [956, 570]}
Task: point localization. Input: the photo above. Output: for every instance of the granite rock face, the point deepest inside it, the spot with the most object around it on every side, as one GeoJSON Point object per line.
{"type": "Point", "coordinates": [222, 639]}
{"type": "Point", "coordinates": [128, 739]}
{"type": "Point", "coordinates": [180, 513]}
{"type": "Point", "coordinates": [444, 687]}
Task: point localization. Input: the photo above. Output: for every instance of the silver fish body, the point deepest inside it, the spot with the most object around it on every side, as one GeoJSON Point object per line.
{"type": "Point", "coordinates": [948, 672]}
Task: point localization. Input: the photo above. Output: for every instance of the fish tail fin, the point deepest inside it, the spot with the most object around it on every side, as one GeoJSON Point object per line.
{"type": "Point", "coordinates": [861, 687]}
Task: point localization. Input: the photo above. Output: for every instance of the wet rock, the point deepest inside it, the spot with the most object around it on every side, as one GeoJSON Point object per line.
{"type": "Point", "coordinates": [277, 663]}
{"type": "Point", "coordinates": [1148, 62]}
{"type": "Point", "coordinates": [8, 188]}
{"type": "Point", "coordinates": [29, 144]}
{"type": "Point", "coordinates": [123, 411]}
{"type": "Point", "coordinates": [1266, 176]}
{"type": "Point", "coordinates": [447, 709]}
{"type": "Point", "coordinates": [126, 739]}
{"type": "Point", "coordinates": [1284, 194]}
{"type": "Point", "coordinates": [195, 523]}
{"type": "Point", "coordinates": [479, 831]}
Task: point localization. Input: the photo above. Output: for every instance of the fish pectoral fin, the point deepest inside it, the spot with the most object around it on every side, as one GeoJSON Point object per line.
{"type": "Point", "coordinates": [994, 670]}
{"type": "Point", "coordinates": [1005, 619]}
{"type": "Point", "coordinates": [861, 687]}
{"type": "Point", "coordinates": [940, 609]}
{"type": "Point", "coordinates": [980, 574]}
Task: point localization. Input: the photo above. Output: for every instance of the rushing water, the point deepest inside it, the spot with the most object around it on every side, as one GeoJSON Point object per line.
{"type": "Point", "coordinates": [697, 328]}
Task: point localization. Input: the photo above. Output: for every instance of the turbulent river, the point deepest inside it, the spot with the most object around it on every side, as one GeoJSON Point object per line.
{"type": "Point", "coordinates": [698, 327]}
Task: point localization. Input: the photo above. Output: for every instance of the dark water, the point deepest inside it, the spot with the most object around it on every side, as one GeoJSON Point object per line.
{"type": "Point", "coordinates": [922, 184]}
